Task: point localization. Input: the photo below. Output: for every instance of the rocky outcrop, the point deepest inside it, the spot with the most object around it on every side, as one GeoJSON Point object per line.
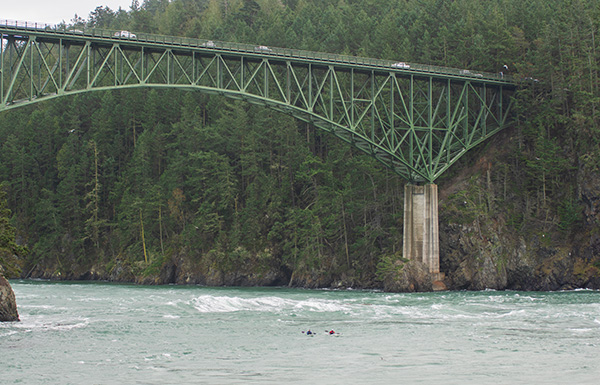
{"type": "Point", "coordinates": [411, 276]}
{"type": "Point", "coordinates": [181, 269]}
{"type": "Point", "coordinates": [522, 267]}
{"type": "Point", "coordinates": [8, 304]}
{"type": "Point", "coordinates": [489, 254]}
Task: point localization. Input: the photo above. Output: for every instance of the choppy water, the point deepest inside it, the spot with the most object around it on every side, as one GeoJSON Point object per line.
{"type": "Point", "coordinates": [95, 333]}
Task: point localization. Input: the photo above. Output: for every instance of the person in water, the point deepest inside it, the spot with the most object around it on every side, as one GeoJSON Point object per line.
{"type": "Point", "coordinates": [311, 333]}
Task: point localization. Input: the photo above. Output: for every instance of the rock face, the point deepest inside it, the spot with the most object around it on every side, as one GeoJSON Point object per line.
{"type": "Point", "coordinates": [413, 276]}
{"type": "Point", "coordinates": [8, 305]}
{"type": "Point", "coordinates": [492, 238]}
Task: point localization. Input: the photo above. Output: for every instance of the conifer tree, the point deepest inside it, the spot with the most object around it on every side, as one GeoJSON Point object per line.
{"type": "Point", "coordinates": [10, 252]}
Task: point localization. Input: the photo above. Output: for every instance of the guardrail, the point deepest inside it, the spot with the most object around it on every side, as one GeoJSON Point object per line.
{"type": "Point", "coordinates": [247, 48]}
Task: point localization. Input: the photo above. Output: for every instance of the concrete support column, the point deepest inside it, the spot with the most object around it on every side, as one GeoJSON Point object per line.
{"type": "Point", "coordinates": [421, 232]}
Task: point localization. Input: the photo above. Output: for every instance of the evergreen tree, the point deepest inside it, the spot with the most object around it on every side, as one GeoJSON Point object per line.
{"type": "Point", "coordinates": [10, 251]}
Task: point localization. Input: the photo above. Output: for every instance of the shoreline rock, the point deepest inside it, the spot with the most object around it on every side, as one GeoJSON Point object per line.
{"type": "Point", "coordinates": [8, 304]}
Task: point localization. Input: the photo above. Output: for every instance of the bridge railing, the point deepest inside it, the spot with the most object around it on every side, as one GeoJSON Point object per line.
{"type": "Point", "coordinates": [258, 49]}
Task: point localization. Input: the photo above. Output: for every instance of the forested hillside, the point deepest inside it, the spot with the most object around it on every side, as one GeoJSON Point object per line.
{"type": "Point", "coordinates": [169, 186]}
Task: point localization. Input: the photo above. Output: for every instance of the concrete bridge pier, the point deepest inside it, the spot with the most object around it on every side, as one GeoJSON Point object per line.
{"type": "Point", "coordinates": [421, 231]}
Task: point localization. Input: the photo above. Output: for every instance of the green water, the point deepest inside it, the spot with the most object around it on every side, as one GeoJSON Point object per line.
{"type": "Point", "coordinates": [97, 333]}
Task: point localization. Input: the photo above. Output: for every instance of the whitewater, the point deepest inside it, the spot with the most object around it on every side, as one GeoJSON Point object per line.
{"type": "Point", "coordinates": [102, 333]}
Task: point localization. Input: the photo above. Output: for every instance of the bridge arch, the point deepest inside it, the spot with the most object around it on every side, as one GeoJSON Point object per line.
{"type": "Point", "coordinates": [417, 120]}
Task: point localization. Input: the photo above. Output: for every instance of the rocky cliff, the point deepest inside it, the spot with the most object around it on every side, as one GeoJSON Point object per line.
{"type": "Point", "coordinates": [494, 235]}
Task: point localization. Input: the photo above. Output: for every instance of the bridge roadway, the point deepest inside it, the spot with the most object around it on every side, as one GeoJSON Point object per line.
{"type": "Point", "coordinates": [416, 119]}
{"type": "Point", "coordinates": [11, 28]}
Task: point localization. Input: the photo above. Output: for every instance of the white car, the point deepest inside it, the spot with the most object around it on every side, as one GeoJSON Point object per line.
{"type": "Point", "coordinates": [469, 73]}
{"type": "Point", "coordinates": [210, 44]}
{"type": "Point", "coordinates": [125, 34]}
{"type": "Point", "coordinates": [263, 48]}
{"type": "Point", "coordinates": [401, 64]}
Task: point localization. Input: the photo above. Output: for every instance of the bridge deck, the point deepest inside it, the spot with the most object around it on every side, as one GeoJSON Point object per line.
{"type": "Point", "coordinates": [99, 36]}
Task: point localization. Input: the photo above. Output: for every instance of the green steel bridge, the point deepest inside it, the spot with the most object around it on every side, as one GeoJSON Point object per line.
{"type": "Point", "coordinates": [415, 119]}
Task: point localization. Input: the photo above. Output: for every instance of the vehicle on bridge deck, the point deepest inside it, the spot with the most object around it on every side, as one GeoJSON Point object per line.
{"type": "Point", "coordinates": [469, 73]}
{"type": "Point", "coordinates": [125, 34]}
{"type": "Point", "coordinates": [263, 48]}
{"type": "Point", "coordinates": [209, 44]}
{"type": "Point", "coordinates": [402, 65]}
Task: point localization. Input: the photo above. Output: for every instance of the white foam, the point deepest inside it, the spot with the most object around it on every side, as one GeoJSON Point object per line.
{"type": "Point", "coordinates": [9, 333]}
{"type": "Point", "coordinates": [222, 304]}
{"type": "Point", "coordinates": [40, 323]}
{"type": "Point", "coordinates": [36, 307]}
{"type": "Point", "coordinates": [504, 315]}
{"type": "Point", "coordinates": [66, 326]}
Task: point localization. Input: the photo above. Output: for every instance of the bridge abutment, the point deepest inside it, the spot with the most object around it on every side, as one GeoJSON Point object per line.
{"type": "Point", "coordinates": [421, 230]}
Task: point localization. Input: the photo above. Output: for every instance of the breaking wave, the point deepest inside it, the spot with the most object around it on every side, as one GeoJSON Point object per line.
{"type": "Point", "coordinates": [224, 304]}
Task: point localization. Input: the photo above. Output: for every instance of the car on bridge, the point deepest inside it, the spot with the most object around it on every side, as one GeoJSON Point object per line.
{"type": "Point", "coordinates": [209, 44]}
{"type": "Point", "coordinates": [401, 64]}
{"type": "Point", "coordinates": [469, 73]}
{"type": "Point", "coordinates": [125, 34]}
{"type": "Point", "coordinates": [263, 48]}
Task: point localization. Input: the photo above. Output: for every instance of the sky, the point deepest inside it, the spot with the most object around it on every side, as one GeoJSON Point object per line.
{"type": "Point", "coordinates": [54, 11]}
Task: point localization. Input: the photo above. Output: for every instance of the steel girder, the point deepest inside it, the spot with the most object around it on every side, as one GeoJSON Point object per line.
{"type": "Point", "coordinates": [416, 121]}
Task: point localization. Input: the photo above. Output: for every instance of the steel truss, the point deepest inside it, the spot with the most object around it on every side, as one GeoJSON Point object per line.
{"type": "Point", "coordinates": [416, 122]}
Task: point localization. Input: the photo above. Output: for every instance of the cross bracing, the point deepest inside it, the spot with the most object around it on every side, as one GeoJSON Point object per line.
{"type": "Point", "coordinates": [416, 119]}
